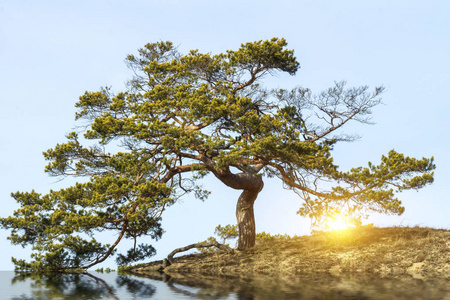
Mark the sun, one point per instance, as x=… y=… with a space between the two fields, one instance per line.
x=337 y=223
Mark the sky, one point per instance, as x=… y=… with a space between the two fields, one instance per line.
x=51 y=52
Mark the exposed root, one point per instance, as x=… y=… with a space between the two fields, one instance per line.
x=199 y=245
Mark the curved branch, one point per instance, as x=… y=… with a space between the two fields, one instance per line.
x=241 y=181
x=293 y=184
x=252 y=79
x=106 y=285
x=198 y=245
x=179 y=169
x=110 y=250
x=334 y=127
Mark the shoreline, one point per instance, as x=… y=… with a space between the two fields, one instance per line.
x=418 y=253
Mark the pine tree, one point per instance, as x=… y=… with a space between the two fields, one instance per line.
x=183 y=117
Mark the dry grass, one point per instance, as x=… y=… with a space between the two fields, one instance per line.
x=392 y=251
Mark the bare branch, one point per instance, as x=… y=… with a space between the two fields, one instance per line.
x=198 y=245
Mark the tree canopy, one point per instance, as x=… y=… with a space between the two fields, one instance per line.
x=183 y=117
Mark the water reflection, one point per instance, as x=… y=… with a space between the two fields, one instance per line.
x=81 y=286
x=160 y=286
x=65 y=286
x=136 y=287
x=193 y=291
x=308 y=287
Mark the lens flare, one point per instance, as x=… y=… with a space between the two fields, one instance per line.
x=338 y=223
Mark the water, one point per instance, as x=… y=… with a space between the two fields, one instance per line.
x=113 y=286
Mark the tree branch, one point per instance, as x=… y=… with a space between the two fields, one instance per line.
x=199 y=245
x=179 y=169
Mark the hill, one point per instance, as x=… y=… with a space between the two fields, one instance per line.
x=385 y=252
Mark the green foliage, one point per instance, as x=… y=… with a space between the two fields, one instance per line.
x=226 y=232
x=267 y=237
x=208 y=249
x=183 y=117
x=139 y=253
x=373 y=188
x=231 y=232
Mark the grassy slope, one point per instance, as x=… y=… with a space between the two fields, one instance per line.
x=392 y=251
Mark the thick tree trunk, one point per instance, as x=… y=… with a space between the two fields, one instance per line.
x=251 y=184
x=246 y=219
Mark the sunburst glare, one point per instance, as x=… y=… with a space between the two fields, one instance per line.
x=337 y=223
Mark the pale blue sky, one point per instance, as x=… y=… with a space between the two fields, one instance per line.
x=53 y=51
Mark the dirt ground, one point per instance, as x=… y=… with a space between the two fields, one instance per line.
x=416 y=252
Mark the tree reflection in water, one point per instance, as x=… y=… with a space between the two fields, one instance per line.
x=317 y=287
x=111 y=286
x=79 y=286
x=136 y=287
x=65 y=286
x=211 y=293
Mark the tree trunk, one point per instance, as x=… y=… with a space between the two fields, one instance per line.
x=251 y=184
x=246 y=219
